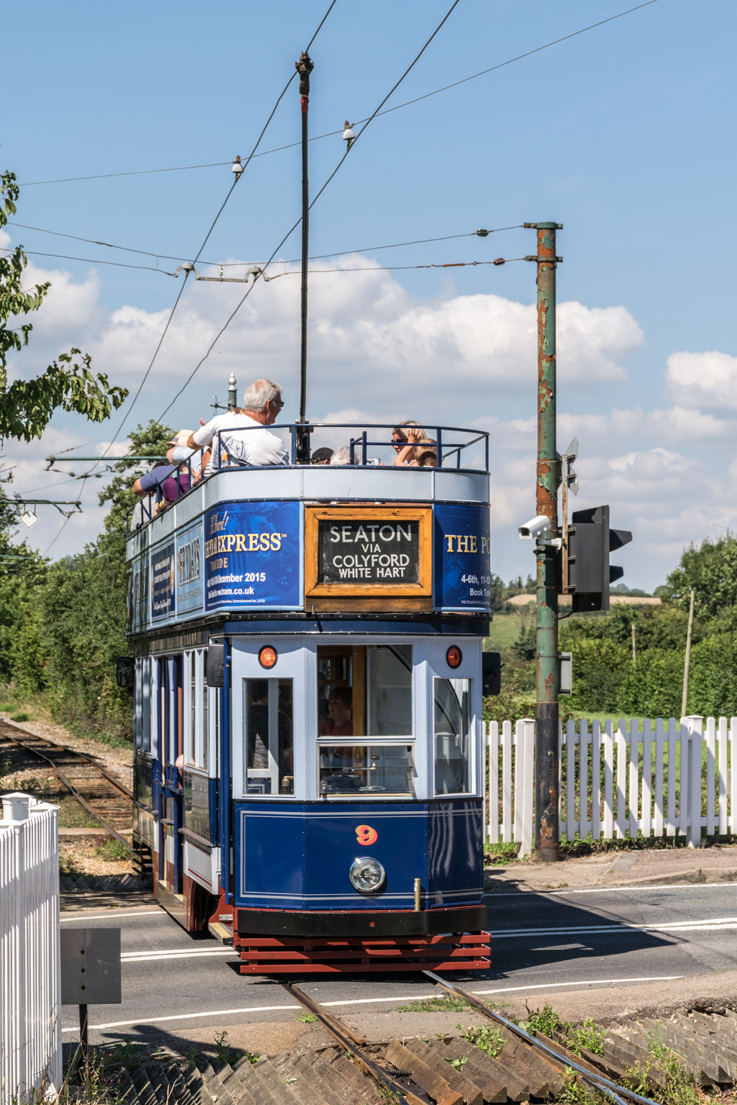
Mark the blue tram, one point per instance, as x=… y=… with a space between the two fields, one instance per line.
x=308 y=696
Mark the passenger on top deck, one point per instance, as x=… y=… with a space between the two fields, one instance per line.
x=413 y=447
x=339 y=722
x=341 y=455
x=321 y=456
x=245 y=446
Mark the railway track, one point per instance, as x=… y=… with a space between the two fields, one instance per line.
x=103 y=796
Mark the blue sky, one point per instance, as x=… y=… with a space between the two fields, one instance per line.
x=623 y=134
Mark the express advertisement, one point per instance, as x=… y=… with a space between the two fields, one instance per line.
x=163 y=601
x=190 y=569
x=137 y=604
x=462 y=558
x=253 y=556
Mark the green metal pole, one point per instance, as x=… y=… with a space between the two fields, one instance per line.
x=547 y=831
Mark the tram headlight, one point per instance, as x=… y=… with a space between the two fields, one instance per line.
x=367 y=874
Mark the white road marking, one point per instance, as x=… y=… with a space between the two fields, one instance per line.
x=369 y=1001
x=162 y=957
x=113 y=914
x=715 y=924
x=610 y=889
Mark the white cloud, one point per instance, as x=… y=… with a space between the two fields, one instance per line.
x=703 y=379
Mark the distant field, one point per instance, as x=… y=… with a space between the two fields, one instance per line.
x=504 y=631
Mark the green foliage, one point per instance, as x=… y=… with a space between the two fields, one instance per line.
x=307 y=1018
x=545 y=1020
x=576 y=1092
x=676 y=1085
x=711 y=570
x=652 y=687
x=486 y=1038
x=112 y=849
x=21 y=717
x=599 y=668
x=26 y=406
x=449 y=1004
x=588 y=1036
x=62 y=626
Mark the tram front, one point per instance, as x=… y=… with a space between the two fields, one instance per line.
x=309 y=744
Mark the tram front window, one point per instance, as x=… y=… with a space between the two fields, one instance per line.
x=366 y=769
x=452 y=735
x=268 y=736
x=364 y=691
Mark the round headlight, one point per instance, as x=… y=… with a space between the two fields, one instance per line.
x=367 y=874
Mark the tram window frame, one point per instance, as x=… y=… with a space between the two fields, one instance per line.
x=441 y=767
x=353 y=773
x=280 y=729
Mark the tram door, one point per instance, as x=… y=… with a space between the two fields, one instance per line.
x=171 y=752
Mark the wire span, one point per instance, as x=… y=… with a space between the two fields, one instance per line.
x=332 y=133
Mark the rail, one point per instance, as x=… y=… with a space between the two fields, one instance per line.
x=438 y=443
x=36 y=745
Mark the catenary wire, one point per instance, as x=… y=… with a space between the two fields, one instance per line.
x=212 y=226
x=332 y=133
x=293 y=228
x=90 y=260
x=227 y=264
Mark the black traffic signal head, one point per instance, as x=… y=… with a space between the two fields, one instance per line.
x=491 y=673
x=590 y=541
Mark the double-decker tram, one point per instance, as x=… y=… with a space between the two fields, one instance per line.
x=309 y=763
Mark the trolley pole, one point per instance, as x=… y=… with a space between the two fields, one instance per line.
x=304 y=67
x=547 y=831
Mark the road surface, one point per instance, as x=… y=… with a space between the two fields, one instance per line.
x=542 y=941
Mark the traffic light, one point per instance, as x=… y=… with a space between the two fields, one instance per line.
x=491 y=673
x=590 y=540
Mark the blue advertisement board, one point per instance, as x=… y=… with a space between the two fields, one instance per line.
x=137 y=605
x=190 y=569
x=462 y=550
x=163 y=602
x=253 y=556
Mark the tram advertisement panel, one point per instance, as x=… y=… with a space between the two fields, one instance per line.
x=163 y=572
x=253 y=556
x=190 y=569
x=462 y=558
x=138 y=594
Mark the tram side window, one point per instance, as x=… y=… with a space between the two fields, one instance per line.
x=268 y=733
x=452 y=710
x=368 y=769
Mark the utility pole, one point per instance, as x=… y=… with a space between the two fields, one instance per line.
x=687 y=663
x=304 y=67
x=634 y=643
x=547 y=831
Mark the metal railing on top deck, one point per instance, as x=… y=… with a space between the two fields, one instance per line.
x=442 y=445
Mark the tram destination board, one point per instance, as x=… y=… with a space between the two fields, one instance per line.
x=362 y=551
x=373 y=551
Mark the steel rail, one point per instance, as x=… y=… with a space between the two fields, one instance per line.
x=72 y=789
x=82 y=755
x=352 y=1042
x=598 y=1081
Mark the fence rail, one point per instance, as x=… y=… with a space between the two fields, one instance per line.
x=30 y=982
x=670 y=778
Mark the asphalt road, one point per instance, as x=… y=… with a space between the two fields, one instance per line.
x=541 y=942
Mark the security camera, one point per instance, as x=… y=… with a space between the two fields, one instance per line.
x=535 y=527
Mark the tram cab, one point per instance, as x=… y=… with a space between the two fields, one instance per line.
x=309 y=763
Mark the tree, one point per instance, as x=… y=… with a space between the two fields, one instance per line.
x=26 y=406
x=711 y=570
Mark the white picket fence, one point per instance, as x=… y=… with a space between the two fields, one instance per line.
x=30 y=978
x=671 y=778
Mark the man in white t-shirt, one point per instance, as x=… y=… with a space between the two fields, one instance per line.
x=245 y=447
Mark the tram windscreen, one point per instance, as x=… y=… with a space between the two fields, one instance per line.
x=268 y=728
x=452 y=736
x=366 y=769
x=364 y=691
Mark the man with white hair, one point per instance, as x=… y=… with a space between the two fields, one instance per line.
x=238 y=443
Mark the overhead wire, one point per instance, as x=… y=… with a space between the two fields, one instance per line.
x=209 y=232
x=313 y=202
x=332 y=133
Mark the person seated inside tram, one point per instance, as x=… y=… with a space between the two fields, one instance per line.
x=339 y=722
x=257 y=726
x=341 y=455
x=321 y=456
x=413 y=447
x=165 y=481
x=242 y=435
